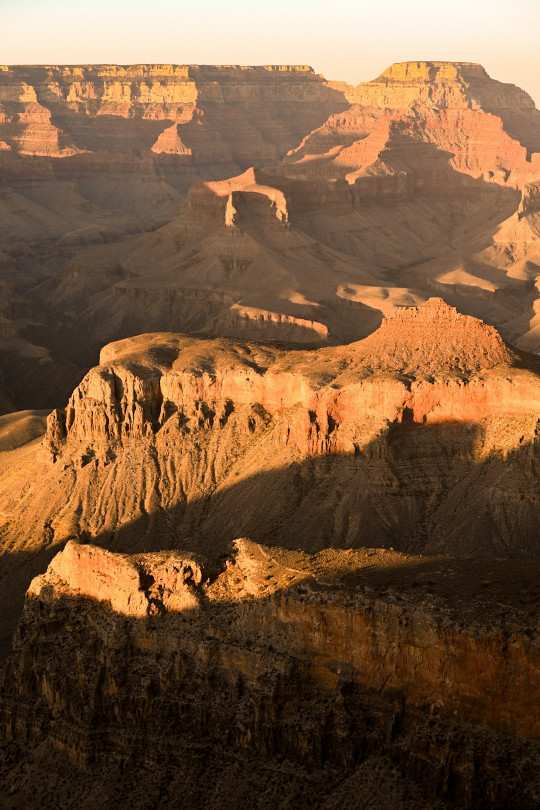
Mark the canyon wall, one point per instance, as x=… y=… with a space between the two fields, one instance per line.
x=90 y=155
x=350 y=224
x=178 y=116
x=288 y=656
x=423 y=437
x=259 y=203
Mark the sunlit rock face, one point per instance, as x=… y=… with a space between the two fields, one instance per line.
x=92 y=155
x=422 y=437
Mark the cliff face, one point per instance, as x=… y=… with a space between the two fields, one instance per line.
x=310 y=671
x=196 y=115
x=98 y=151
x=423 y=437
x=455 y=105
x=280 y=655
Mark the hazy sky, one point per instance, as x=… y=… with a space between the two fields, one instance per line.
x=352 y=40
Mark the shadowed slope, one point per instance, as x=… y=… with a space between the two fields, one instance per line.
x=328 y=666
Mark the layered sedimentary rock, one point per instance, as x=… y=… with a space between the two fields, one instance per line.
x=216 y=429
x=209 y=115
x=329 y=666
x=481 y=123
x=107 y=129
x=310 y=672
x=92 y=154
x=425 y=184
x=422 y=437
x=273 y=204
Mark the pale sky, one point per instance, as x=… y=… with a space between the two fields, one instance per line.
x=350 y=40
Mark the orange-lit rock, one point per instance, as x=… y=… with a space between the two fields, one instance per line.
x=138 y=587
x=423 y=437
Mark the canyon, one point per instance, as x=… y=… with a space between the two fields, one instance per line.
x=328 y=680
x=269 y=438
x=382 y=607
x=261 y=203
x=177 y=441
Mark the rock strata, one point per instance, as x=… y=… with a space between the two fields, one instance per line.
x=257 y=203
x=282 y=655
x=422 y=437
x=361 y=195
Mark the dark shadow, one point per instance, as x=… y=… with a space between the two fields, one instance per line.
x=16 y=572
x=521 y=121
x=416 y=488
x=254 y=680
x=469 y=209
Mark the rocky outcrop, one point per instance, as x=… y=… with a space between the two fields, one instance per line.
x=423 y=437
x=481 y=123
x=121 y=399
x=135 y=588
x=290 y=656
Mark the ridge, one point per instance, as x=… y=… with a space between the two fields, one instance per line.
x=435 y=337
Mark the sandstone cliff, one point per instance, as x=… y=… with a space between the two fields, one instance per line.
x=329 y=666
x=202 y=114
x=423 y=437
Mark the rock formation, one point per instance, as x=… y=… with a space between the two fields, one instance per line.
x=422 y=437
x=295 y=662
x=260 y=203
x=226 y=437
x=92 y=154
x=350 y=280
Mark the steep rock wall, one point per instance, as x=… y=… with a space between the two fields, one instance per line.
x=321 y=674
x=423 y=436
